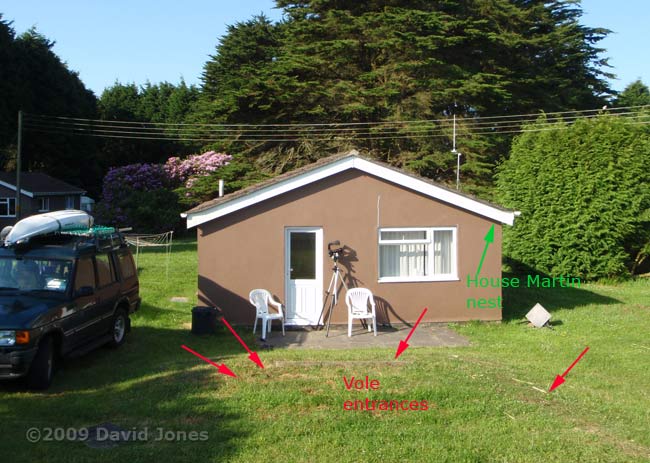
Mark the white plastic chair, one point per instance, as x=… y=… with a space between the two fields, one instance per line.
x=261 y=299
x=358 y=300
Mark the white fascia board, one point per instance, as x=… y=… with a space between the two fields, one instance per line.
x=13 y=187
x=441 y=194
x=434 y=191
x=198 y=218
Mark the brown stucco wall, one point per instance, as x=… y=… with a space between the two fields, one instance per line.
x=246 y=249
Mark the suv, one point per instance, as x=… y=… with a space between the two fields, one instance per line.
x=63 y=295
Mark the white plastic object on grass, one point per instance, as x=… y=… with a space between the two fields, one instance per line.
x=538 y=316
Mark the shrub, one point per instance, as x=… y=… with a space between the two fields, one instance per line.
x=183 y=171
x=584 y=195
x=119 y=185
x=150 y=197
x=153 y=211
x=237 y=174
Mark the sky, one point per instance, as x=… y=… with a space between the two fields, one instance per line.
x=143 y=41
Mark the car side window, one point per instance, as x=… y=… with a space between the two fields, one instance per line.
x=105 y=270
x=85 y=275
x=126 y=264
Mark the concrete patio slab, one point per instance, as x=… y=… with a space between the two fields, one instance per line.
x=424 y=336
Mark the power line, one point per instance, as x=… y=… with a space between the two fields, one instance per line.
x=295 y=139
x=317 y=132
x=532 y=116
x=471 y=123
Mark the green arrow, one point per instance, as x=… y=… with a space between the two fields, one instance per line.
x=489 y=238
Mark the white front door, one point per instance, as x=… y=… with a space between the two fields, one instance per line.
x=304 y=274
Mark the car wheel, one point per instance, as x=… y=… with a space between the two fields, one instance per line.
x=42 y=367
x=118 y=328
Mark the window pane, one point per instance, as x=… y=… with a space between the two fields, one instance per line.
x=85 y=274
x=404 y=235
x=303 y=255
x=402 y=260
x=443 y=252
x=55 y=273
x=105 y=271
x=7 y=207
x=126 y=264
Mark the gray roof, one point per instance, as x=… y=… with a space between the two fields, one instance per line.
x=40 y=183
x=315 y=165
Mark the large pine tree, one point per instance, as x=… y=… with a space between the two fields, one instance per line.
x=400 y=60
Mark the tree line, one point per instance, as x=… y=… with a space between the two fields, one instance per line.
x=370 y=67
x=336 y=62
x=35 y=80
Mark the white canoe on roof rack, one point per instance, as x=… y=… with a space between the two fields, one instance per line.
x=50 y=222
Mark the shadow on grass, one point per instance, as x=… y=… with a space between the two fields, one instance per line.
x=518 y=301
x=149 y=382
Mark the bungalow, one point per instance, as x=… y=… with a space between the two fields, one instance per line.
x=39 y=193
x=412 y=242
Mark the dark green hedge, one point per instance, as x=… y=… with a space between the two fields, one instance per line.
x=583 y=190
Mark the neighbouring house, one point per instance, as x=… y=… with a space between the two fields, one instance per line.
x=39 y=193
x=412 y=242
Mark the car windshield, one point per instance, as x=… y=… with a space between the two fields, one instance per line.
x=34 y=274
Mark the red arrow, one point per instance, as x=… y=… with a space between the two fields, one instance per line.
x=559 y=379
x=251 y=355
x=223 y=369
x=403 y=345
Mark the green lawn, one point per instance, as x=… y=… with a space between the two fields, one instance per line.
x=483 y=405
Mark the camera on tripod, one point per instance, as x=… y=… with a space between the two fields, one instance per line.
x=334 y=253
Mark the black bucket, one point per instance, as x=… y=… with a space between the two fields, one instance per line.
x=204 y=320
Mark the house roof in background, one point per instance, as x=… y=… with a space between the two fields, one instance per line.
x=332 y=165
x=39 y=184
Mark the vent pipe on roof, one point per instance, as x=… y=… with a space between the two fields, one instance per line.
x=220 y=187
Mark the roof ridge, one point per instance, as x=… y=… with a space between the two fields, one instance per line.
x=366 y=164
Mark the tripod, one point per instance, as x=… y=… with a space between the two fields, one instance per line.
x=332 y=290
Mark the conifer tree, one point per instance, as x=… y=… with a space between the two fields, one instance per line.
x=401 y=60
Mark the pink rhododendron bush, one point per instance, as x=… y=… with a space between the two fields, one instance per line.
x=150 y=197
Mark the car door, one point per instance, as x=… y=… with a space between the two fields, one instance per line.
x=84 y=301
x=128 y=275
x=108 y=290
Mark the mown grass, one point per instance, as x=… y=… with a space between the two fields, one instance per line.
x=484 y=402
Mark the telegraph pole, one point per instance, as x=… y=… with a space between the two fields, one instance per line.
x=18 y=162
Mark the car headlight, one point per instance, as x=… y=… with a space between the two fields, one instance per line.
x=7 y=338
x=11 y=337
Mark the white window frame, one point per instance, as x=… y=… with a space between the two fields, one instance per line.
x=6 y=201
x=43 y=201
x=69 y=202
x=429 y=242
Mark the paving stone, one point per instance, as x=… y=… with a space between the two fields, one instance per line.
x=424 y=336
